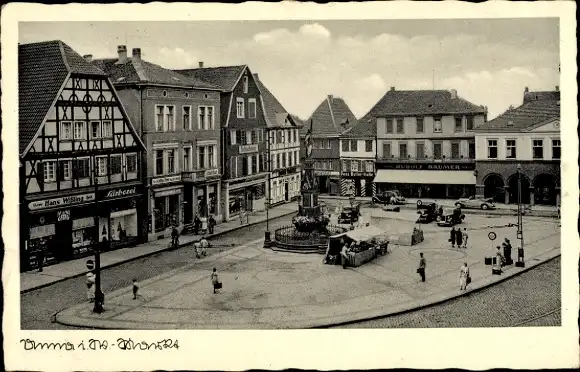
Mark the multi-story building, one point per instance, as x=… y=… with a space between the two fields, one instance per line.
x=283 y=148
x=357 y=159
x=178 y=118
x=426 y=143
x=80 y=177
x=330 y=119
x=529 y=137
x=244 y=149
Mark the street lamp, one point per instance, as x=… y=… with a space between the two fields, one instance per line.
x=99 y=296
x=267 y=240
x=520 y=233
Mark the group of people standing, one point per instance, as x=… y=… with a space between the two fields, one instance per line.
x=458 y=237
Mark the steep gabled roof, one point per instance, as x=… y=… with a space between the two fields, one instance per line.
x=138 y=71
x=523 y=117
x=276 y=114
x=43 y=68
x=331 y=117
x=364 y=129
x=225 y=77
x=421 y=102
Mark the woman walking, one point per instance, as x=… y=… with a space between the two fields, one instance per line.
x=463 y=275
x=452 y=237
x=459 y=237
x=215 y=281
x=465 y=237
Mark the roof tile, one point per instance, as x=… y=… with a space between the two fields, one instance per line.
x=224 y=77
x=524 y=116
x=331 y=117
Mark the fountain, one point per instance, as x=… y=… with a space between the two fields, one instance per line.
x=310 y=228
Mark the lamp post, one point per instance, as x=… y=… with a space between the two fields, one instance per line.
x=520 y=233
x=99 y=296
x=267 y=237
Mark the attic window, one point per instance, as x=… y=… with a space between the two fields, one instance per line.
x=121 y=78
x=186 y=95
x=206 y=96
x=510 y=123
x=164 y=93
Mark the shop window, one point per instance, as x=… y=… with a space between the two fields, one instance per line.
x=212 y=200
x=65 y=130
x=510 y=152
x=80 y=130
x=492 y=149
x=556 y=151
x=123 y=224
x=454 y=150
x=420 y=150
x=420 y=125
x=368 y=145
x=83 y=234
x=538 y=149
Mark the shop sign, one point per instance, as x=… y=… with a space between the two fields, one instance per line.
x=245 y=149
x=211 y=173
x=165 y=179
x=63 y=215
x=60 y=202
x=120 y=193
x=427 y=166
x=189 y=176
x=322 y=173
x=357 y=174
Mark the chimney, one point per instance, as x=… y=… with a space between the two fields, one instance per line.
x=526 y=90
x=122 y=52
x=88 y=57
x=557 y=88
x=256 y=76
x=201 y=64
x=392 y=89
x=137 y=53
x=330 y=97
x=453 y=94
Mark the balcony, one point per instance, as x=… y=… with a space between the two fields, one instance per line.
x=201 y=175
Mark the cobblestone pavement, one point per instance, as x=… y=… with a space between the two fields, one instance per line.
x=531 y=299
x=38 y=306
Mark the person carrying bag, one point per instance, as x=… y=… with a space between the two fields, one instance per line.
x=215 y=280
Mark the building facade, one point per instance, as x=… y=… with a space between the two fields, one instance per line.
x=529 y=137
x=426 y=143
x=80 y=174
x=283 y=161
x=357 y=160
x=179 y=121
x=243 y=140
x=330 y=119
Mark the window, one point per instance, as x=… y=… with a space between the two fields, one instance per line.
x=437 y=151
x=249 y=137
x=280 y=165
x=107 y=129
x=252 y=108
x=49 y=170
x=454 y=150
x=210 y=118
x=368 y=145
x=187 y=117
x=165 y=118
x=469 y=123
x=556 y=152
x=538 y=149
x=65 y=170
x=437 y=125
x=159 y=118
x=233 y=137
x=472 y=149
x=458 y=124
x=246 y=84
x=369 y=167
x=403 y=151
x=201 y=117
x=66 y=130
x=201 y=157
x=205 y=120
x=170 y=115
x=240 y=110
x=420 y=125
x=82 y=168
x=274 y=161
x=171 y=167
x=353 y=145
x=234 y=167
x=492 y=149
x=80 y=130
x=354 y=165
x=211 y=157
x=254 y=163
x=400 y=126
x=345 y=145
x=510 y=151
x=131 y=160
x=344 y=165
x=254 y=134
x=327 y=143
x=389 y=126
x=95 y=129
x=240 y=136
x=386 y=150
x=245 y=167
x=158 y=162
x=186 y=159
x=101 y=166
x=420 y=150
x=116 y=164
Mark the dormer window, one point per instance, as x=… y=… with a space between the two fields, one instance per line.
x=164 y=93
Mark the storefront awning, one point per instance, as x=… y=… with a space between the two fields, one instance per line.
x=428 y=177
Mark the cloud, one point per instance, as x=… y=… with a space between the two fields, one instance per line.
x=314 y=29
x=177 y=58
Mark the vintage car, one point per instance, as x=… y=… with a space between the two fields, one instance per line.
x=389 y=197
x=427 y=212
x=475 y=203
x=349 y=214
x=451 y=218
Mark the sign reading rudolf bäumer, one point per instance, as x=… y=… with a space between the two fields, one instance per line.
x=427 y=166
x=61 y=202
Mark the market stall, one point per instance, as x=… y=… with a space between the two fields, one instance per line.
x=364 y=244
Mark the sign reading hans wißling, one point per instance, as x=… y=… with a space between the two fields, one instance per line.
x=427 y=166
x=60 y=202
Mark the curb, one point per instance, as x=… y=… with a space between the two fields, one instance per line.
x=443 y=300
x=149 y=254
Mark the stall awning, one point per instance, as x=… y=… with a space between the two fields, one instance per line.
x=363 y=233
x=428 y=177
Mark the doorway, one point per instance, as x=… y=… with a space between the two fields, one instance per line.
x=513 y=189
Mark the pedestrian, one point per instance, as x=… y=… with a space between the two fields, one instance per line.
x=90 y=282
x=344 y=255
x=507 y=251
x=174 y=237
x=196 y=225
x=422 y=267
x=465 y=237
x=499 y=259
x=241 y=217
x=204 y=244
x=463 y=275
x=452 y=237
x=135 y=288
x=215 y=281
x=196 y=249
x=40 y=254
x=211 y=223
x=459 y=238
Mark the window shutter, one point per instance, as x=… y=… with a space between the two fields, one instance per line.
x=40 y=174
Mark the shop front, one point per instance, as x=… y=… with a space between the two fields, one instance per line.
x=356 y=183
x=427 y=180
x=328 y=182
x=284 y=185
x=248 y=196
x=166 y=206
x=202 y=190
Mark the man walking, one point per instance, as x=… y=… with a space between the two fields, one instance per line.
x=203 y=244
x=452 y=237
x=40 y=254
x=422 y=267
x=465 y=236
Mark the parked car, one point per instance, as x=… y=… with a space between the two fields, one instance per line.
x=451 y=218
x=475 y=203
x=349 y=214
x=389 y=197
x=428 y=213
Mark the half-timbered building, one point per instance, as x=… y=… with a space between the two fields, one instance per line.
x=80 y=179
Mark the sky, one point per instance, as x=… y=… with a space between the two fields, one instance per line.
x=488 y=61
